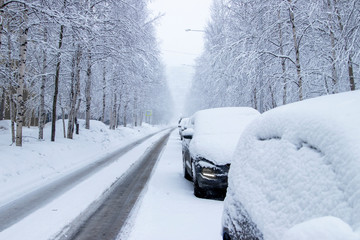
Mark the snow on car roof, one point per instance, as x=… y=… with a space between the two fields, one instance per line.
x=184 y=121
x=217 y=132
x=298 y=162
x=223 y=120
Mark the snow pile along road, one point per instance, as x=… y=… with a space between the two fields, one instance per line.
x=63 y=210
x=38 y=162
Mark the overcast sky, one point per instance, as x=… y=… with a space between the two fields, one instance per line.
x=180 y=48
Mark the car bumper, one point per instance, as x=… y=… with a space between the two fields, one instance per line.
x=219 y=181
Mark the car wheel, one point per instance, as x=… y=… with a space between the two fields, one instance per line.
x=226 y=236
x=186 y=173
x=198 y=191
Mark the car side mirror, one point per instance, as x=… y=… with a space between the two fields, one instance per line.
x=188 y=133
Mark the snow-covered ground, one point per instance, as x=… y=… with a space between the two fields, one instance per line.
x=38 y=162
x=169 y=209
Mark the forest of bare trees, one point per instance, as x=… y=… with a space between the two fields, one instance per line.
x=266 y=53
x=70 y=59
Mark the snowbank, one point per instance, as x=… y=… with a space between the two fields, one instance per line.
x=329 y=228
x=37 y=162
x=217 y=132
x=298 y=162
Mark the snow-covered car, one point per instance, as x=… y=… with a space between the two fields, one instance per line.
x=214 y=134
x=295 y=173
x=182 y=126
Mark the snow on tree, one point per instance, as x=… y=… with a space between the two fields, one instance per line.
x=84 y=59
x=269 y=53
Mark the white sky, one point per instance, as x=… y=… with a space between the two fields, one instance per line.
x=180 y=48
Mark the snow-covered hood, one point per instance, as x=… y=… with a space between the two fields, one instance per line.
x=217 y=148
x=298 y=162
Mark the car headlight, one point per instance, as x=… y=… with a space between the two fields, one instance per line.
x=208 y=172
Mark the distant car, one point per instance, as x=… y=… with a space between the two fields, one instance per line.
x=296 y=173
x=182 y=126
x=214 y=134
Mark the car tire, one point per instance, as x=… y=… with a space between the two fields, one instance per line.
x=198 y=191
x=185 y=171
x=226 y=236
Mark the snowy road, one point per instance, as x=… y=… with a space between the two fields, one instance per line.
x=168 y=208
x=51 y=214
x=20 y=208
x=106 y=221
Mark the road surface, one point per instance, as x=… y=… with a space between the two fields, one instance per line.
x=18 y=209
x=105 y=220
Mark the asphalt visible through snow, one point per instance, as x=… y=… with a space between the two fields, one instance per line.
x=105 y=218
x=18 y=209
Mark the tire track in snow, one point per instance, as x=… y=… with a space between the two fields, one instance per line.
x=18 y=209
x=109 y=216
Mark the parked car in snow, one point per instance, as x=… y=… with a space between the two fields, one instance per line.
x=294 y=165
x=214 y=134
x=182 y=126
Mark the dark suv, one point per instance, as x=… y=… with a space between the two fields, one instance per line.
x=209 y=142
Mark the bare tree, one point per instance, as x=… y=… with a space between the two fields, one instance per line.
x=42 y=113
x=75 y=91
x=20 y=88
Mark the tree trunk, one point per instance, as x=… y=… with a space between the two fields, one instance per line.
x=76 y=113
x=2 y=20
x=351 y=74
x=57 y=76
x=283 y=63
x=20 y=88
x=56 y=85
x=113 y=113
x=11 y=67
x=141 y=118
x=125 y=109
x=273 y=99
x=42 y=113
x=326 y=85
x=104 y=95
x=72 y=97
x=334 y=75
x=296 y=48
x=349 y=62
x=75 y=91
x=255 y=99
x=76 y=127
x=88 y=91
x=63 y=121
x=135 y=117
x=2 y=104
x=62 y=116
x=12 y=117
x=118 y=114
